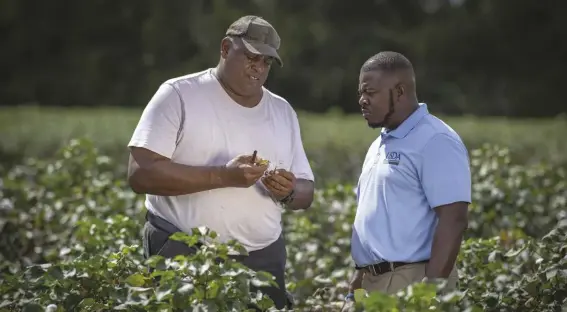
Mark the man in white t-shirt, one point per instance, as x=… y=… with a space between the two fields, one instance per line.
x=192 y=148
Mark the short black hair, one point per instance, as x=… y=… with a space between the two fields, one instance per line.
x=387 y=61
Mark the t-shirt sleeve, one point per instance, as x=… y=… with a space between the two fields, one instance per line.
x=445 y=171
x=159 y=124
x=300 y=166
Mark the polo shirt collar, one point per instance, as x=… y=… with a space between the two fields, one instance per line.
x=407 y=125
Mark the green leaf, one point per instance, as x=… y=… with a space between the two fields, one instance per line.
x=359 y=294
x=87 y=302
x=32 y=307
x=157 y=262
x=514 y=253
x=213 y=289
x=136 y=280
x=551 y=274
x=183 y=237
x=187 y=288
x=265 y=303
x=263 y=279
x=160 y=295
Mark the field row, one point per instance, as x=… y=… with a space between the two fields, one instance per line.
x=331 y=140
x=84 y=221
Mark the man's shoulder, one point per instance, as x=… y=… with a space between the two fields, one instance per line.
x=190 y=80
x=435 y=127
x=278 y=99
x=280 y=103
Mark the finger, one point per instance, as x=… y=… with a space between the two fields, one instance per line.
x=271 y=180
x=269 y=186
x=276 y=193
x=252 y=174
x=286 y=174
x=282 y=181
x=257 y=170
x=277 y=187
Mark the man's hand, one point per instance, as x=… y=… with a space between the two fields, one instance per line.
x=356 y=281
x=280 y=183
x=243 y=172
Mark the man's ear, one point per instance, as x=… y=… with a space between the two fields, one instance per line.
x=226 y=44
x=400 y=90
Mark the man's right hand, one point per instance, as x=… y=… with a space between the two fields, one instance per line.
x=242 y=172
x=356 y=282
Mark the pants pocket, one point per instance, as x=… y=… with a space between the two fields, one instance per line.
x=157 y=242
x=172 y=248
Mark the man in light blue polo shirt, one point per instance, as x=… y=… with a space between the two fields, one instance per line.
x=414 y=189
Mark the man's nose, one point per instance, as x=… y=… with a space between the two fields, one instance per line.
x=260 y=65
x=362 y=101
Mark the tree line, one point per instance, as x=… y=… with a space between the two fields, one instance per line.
x=479 y=57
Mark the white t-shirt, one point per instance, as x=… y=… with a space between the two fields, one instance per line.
x=193 y=121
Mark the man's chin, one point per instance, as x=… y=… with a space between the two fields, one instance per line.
x=374 y=125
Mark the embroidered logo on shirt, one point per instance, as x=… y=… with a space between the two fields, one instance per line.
x=392 y=158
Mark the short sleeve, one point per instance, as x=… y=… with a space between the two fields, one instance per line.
x=300 y=166
x=158 y=127
x=445 y=171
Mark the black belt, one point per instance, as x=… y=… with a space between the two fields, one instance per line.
x=165 y=226
x=385 y=267
x=161 y=224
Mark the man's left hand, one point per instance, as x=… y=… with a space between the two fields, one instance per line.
x=280 y=183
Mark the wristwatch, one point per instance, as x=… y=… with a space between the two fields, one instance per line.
x=289 y=198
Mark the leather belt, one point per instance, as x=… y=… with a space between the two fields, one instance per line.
x=161 y=224
x=385 y=267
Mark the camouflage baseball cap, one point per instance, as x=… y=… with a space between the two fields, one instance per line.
x=258 y=36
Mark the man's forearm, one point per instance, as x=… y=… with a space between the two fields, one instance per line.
x=167 y=178
x=446 y=245
x=303 y=196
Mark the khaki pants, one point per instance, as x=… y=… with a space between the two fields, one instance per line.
x=398 y=279
x=401 y=277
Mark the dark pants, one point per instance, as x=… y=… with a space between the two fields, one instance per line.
x=271 y=259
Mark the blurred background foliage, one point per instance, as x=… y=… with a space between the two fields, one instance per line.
x=480 y=57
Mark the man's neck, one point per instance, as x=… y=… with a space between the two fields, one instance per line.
x=404 y=114
x=246 y=101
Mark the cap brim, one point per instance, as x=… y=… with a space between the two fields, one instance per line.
x=262 y=49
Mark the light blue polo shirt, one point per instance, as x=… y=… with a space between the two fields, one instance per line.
x=407 y=172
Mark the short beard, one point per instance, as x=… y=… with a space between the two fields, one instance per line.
x=375 y=125
x=389 y=114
